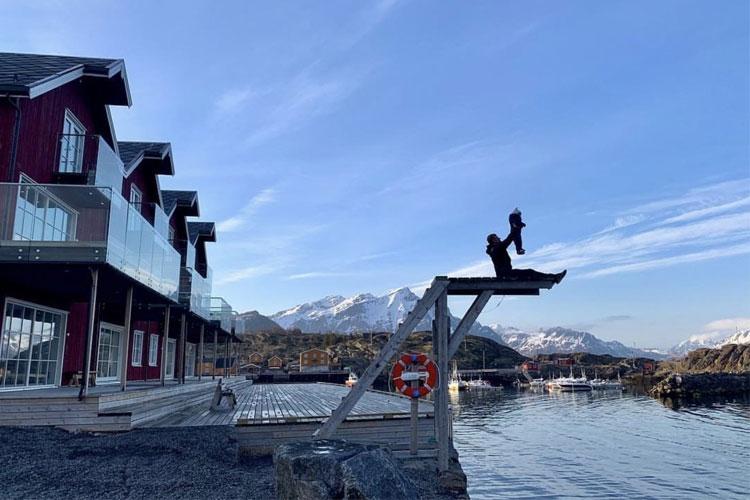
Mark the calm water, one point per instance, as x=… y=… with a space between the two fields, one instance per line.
x=535 y=444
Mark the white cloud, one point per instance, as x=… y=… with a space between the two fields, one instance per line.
x=728 y=324
x=246 y=273
x=237 y=221
x=234 y=99
x=291 y=105
x=314 y=274
x=707 y=223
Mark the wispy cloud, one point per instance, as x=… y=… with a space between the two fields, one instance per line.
x=293 y=104
x=246 y=273
x=234 y=100
x=727 y=325
x=238 y=220
x=706 y=223
x=315 y=274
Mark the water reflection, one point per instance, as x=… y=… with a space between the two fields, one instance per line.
x=600 y=444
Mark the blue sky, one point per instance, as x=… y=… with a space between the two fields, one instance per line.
x=349 y=147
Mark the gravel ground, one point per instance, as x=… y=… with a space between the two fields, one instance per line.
x=195 y=462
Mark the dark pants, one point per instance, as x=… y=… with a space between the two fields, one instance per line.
x=515 y=234
x=523 y=274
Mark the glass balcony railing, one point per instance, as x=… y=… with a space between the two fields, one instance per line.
x=222 y=312
x=195 y=291
x=65 y=223
x=88 y=159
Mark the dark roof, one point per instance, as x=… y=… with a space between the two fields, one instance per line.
x=132 y=153
x=185 y=199
x=204 y=230
x=30 y=75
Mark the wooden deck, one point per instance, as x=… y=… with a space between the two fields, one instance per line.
x=259 y=404
x=106 y=409
x=269 y=415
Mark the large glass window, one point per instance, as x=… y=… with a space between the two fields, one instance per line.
x=30 y=345
x=71 y=144
x=42 y=217
x=108 y=360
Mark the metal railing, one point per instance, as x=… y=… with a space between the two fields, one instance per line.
x=70 y=223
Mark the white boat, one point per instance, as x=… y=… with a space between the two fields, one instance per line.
x=480 y=384
x=455 y=383
x=570 y=384
x=606 y=384
x=537 y=383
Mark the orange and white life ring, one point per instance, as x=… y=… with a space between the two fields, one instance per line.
x=427 y=369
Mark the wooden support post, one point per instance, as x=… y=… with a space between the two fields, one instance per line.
x=378 y=364
x=441 y=332
x=89 y=334
x=468 y=320
x=213 y=365
x=181 y=365
x=164 y=342
x=414 y=443
x=226 y=357
x=125 y=344
x=200 y=353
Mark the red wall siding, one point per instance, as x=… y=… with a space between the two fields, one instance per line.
x=145 y=372
x=41 y=126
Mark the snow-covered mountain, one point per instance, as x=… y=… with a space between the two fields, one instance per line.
x=361 y=313
x=565 y=340
x=709 y=340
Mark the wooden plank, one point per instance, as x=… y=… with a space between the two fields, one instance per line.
x=378 y=364
x=467 y=321
x=508 y=286
x=440 y=336
x=125 y=344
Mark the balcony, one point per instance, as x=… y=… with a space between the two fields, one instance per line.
x=56 y=223
x=88 y=159
x=222 y=313
x=195 y=291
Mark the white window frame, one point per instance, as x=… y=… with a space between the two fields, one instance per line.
x=79 y=131
x=71 y=227
x=61 y=348
x=153 y=350
x=121 y=330
x=136 y=196
x=136 y=354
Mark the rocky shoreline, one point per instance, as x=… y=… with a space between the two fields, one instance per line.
x=698 y=385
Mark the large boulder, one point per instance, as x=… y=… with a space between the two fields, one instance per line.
x=313 y=470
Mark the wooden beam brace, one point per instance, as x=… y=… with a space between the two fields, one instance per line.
x=125 y=344
x=498 y=291
x=467 y=321
x=200 y=352
x=441 y=332
x=89 y=334
x=377 y=365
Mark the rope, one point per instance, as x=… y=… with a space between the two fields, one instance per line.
x=498 y=304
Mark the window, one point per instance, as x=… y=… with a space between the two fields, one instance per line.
x=153 y=349
x=30 y=345
x=136 y=197
x=137 y=354
x=40 y=216
x=71 y=144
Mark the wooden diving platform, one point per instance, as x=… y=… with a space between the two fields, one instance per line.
x=444 y=344
x=498 y=286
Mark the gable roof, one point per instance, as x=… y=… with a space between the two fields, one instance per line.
x=133 y=153
x=188 y=200
x=31 y=75
x=203 y=230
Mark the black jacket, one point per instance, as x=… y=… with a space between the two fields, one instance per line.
x=499 y=255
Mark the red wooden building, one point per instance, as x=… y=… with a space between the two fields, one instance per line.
x=98 y=265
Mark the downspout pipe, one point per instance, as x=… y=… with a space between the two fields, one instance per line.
x=14 y=102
